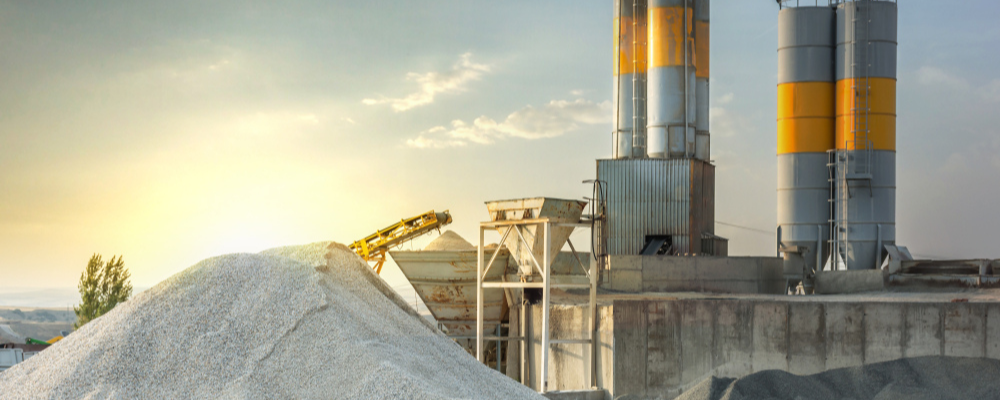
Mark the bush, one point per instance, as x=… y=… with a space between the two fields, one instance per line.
x=102 y=286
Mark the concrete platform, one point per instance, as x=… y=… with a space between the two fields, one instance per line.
x=590 y=394
x=657 y=345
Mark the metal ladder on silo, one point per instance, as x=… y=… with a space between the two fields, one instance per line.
x=853 y=166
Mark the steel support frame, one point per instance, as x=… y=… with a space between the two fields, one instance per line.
x=544 y=269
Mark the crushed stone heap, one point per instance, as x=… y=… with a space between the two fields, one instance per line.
x=449 y=241
x=297 y=322
x=938 y=378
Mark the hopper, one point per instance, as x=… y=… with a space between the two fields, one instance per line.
x=556 y=210
x=446 y=282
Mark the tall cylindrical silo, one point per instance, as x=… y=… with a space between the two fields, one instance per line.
x=629 y=120
x=702 y=150
x=805 y=134
x=865 y=198
x=671 y=83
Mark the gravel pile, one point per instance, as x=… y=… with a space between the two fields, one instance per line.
x=288 y=323
x=449 y=241
x=906 y=379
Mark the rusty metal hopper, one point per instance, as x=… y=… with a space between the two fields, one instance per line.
x=557 y=210
x=446 y=282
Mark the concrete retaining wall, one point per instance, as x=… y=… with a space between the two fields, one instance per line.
x=659 y=348
x=629 y=273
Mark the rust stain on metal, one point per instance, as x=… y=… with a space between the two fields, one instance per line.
x=447 y=294
x=464 y=267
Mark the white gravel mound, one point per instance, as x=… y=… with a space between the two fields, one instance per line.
x=261 y=326
x=449 y=241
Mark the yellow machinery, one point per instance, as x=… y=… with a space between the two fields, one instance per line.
x=374 y=247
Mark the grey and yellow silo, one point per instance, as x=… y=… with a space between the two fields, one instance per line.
x=805 y=134
x=865 y=190
x=660 y=194
x=671 y=80
x=629 y=120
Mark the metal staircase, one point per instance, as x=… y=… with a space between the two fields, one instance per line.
x=851 y=167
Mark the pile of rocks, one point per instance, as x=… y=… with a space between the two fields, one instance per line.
x=305 y=322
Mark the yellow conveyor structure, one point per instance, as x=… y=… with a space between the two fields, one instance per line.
x=374 y=247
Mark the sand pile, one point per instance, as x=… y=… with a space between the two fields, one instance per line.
x=449 y=241
x=261 y=326
x=907 y=379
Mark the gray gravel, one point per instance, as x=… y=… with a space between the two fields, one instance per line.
x=275 y=325
x=907 y=379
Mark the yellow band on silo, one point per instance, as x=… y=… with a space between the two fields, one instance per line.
x=666 y=36
x=805 y=135
x=701 y=49
x=881 y=133
x=805 y=99
x=805 y=117
x=881 y=98
x=630 y=46
x=879 y=127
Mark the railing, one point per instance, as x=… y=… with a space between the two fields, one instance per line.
x=817 y=3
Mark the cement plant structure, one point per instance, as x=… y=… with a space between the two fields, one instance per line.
x=658 y=305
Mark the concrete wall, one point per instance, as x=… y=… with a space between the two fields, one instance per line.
x=658 y=348
x=569 y=363
x=632 y=273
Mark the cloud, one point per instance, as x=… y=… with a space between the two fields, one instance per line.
x=982 y=156
x=275 y=123
x=433 y=83
x=991 y=92
x=726 y=98
x=726 y=123
x=553 y=119
x=932 y=76
x=219 y=65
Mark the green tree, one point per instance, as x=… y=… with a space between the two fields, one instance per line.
x=103 y=285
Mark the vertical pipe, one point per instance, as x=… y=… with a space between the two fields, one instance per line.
x=778 y=243
x=878 y=247
x=687 y=60
x=629 y=115
x=593 y=324
x=702 y=52
x=524 y=341
x=479 y=297
x=513 y=361
x=819 y=248
x=547 y=244
x=499 y=342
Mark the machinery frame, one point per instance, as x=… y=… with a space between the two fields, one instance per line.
x=543 y=270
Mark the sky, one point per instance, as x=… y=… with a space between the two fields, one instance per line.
x=170 y=132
